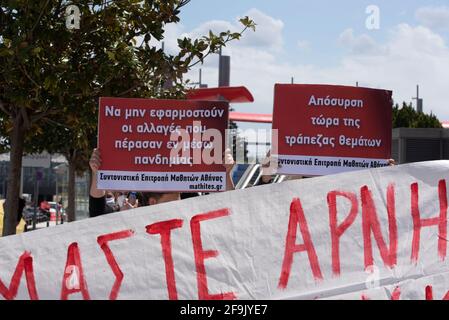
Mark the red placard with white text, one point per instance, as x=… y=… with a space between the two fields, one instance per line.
x=327 y=129
x=162 y=145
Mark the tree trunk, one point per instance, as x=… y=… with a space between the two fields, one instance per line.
x=71 y=190
x=14 y=177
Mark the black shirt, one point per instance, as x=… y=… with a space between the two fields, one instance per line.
x=98 y=207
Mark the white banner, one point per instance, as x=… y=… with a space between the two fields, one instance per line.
x=371 y=234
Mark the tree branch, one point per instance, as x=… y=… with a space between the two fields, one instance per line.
x=22 y=68
x=41 y=115
x=3 y=108
x=129 y=90
x=25 y=117
x=209 y=52
x=182 y=3
x=104 y=85
x=58 y=124
x=95 y=92
x=38 y=20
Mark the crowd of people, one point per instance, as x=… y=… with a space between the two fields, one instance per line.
x=106 y=201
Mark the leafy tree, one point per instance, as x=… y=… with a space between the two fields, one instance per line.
x=75 y=142
x=408 y=117
x=53 y=73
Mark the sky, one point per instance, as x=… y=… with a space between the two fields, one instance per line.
x=327 y=42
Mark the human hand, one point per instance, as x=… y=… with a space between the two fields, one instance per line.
x=228 y=160
x=391 y=162
x=95 y=161
x=128 y=206
x=269 y=166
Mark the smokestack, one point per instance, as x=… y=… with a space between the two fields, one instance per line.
x=224 y=70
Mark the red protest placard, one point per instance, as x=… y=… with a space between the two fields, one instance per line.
x=326 y=129
x=162 y=145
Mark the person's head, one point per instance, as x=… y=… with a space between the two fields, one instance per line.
x=22 y=204
x=109 y=194
x=153 y=198
x=132 y=198
x=110 y=199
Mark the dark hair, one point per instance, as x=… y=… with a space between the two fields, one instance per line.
x=22 y=204
x=186 y=195
x=148 y=195
x=139 y=196
x=20 y=208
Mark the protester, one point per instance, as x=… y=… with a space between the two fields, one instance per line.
x=131 y=201
x=111 y=201
x=45 y=206
x=20 y=224
x=153 y=198
x=100 y=201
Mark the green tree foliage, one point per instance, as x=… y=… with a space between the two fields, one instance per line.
x=52 y=74
x=408 y=117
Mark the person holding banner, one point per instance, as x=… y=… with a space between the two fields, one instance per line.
x=101 y=201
